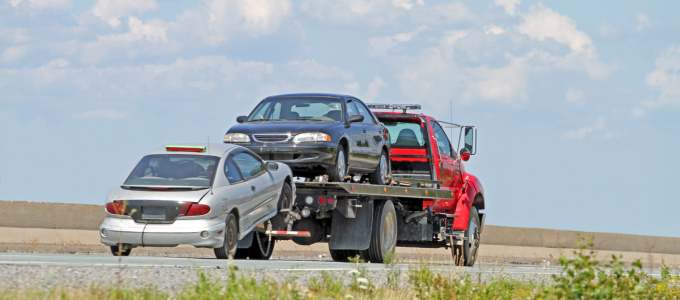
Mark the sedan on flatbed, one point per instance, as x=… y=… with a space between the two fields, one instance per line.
x=317 y=135
x=210 y=196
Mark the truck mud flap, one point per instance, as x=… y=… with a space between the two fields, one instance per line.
x=354 y=233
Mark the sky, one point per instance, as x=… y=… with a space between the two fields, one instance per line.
x=577 y=102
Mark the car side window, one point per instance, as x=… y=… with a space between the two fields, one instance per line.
x=249 y=165
x=368 y=116
x=443 y=142
x=232 y=171
x=351 y=109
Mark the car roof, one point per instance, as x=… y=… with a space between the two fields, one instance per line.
x=310 y=95
x=214 y=149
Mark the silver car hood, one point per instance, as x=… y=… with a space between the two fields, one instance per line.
x=170 y=195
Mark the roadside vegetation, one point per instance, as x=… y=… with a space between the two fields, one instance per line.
x=582 y=278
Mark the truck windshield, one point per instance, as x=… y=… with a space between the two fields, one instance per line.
x=174 y=170
x=405 y=134
x=297 y=109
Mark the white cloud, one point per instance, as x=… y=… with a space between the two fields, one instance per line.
x=510 y=6
x=111 y=11
x=374 y=88
x=542 y=23
x=494 y=29
x=40 y=4
x=380 y=45
x=641 y=22
x=407 y=4
x=258 y=16
x=665 y=78
x=101 y=114
x=13 y=54
x=597 y=129
x=575 y=96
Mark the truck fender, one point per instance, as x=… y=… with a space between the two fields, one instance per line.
x=467 y=197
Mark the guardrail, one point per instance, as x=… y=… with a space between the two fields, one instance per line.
x=86 y=216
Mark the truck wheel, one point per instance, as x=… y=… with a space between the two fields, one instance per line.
x=261 y=248
x=285 y=201
x=383 y=234
x=343 y=255
x=339 y=171
x=466 y=255
x=228 y=248
x=381 y=175
x=121 y=250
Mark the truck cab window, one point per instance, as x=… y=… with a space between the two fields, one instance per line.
x=443 y=143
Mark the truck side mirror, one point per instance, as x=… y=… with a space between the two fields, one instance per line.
x=470 y=134
x=356 y=118
x=241 y=119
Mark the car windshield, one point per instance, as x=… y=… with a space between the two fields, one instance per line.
x=178 y=170
x=298 y=109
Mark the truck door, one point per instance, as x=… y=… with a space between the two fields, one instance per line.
x=446 y=165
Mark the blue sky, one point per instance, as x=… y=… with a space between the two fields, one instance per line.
x=577 y=102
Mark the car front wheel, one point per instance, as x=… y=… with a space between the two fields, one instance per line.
x=338 y=172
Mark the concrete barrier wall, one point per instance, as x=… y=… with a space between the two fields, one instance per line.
x=84 y=216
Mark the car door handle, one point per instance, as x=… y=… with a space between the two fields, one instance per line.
x=252 y=188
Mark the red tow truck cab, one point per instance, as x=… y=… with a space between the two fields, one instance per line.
x=421 y=149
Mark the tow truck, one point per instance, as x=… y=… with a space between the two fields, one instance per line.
x=430 y=201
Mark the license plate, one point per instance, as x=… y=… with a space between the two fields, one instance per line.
x=153 y=213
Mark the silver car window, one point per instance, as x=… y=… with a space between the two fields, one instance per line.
x=232 y=171
x=249 y=165
x=174 y=170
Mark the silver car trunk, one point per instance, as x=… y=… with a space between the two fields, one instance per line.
x=157 y=205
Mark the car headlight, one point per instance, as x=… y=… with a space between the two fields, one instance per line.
x=236 y=138
x=311 y=137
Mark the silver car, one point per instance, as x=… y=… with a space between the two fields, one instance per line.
x=210 y=196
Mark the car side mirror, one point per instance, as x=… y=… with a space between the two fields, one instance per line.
x=272 y=166
x=356 y=118
x=464 y=154
x=470 y=139
x=241 y=119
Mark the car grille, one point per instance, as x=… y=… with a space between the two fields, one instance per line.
x=271 y=138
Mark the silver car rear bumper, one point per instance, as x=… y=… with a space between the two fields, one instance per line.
x=117 y=230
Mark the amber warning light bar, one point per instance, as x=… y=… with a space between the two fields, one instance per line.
x=402 y=107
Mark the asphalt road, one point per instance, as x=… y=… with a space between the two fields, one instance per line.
x=75 y=260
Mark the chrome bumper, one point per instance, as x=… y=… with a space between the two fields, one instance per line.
x=116 y=230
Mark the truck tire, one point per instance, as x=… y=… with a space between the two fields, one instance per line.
x=381 y=175
x=466 y=255
x=383 y=233
x=343 y=255
x=285 y=201
x=261 y=248
x=338 y=172
x=228 y=248
x=121 y=250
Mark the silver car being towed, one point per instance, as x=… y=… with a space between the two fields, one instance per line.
x=207 y=196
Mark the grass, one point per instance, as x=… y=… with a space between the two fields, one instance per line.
x=582 y=278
